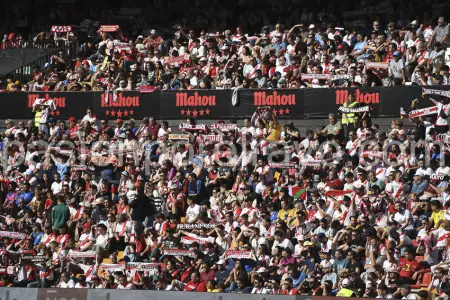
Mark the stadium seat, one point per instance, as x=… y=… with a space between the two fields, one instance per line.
x=106 y=261
x=120 y=255
x=415 y=243
x=420 y=258
x=426 y=279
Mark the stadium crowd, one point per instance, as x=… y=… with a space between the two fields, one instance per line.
x=262 y=208
x=346 y=210
x=319 y=52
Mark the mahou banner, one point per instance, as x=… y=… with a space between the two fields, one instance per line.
x=198 y=104
x=217 y=104
x=283 y=103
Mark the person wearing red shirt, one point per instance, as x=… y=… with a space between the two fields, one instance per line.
x=409 y=268
x=153 y=127
x=287 y=288
x=195 y=285
x=334 y=182
x=73 y=128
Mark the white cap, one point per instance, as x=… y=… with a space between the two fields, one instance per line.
x=86 y=204
x=311 y=26
x=203 y=59
x=153 y=31
x=345 y=282
x=29 y=172
x=220 y=262
x=262 y=270
x=140 y=37
x=414 y=22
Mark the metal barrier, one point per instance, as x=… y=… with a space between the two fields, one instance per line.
x=24 y=73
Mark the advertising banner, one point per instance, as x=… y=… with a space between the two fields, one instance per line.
x=220 y=104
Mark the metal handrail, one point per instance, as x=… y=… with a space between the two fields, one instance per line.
x=24 y=73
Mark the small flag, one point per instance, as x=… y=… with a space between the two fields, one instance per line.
x=297 y=192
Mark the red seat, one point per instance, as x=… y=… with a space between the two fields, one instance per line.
x=420 y=258
x=415 y=243
x=426 y=279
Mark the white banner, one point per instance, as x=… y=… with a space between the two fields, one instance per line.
x=13 y=235
x=316 y=76
x=376 y=154
x=443 y=93
x=311 y=163
x=180 y=252
x=354 y=110
x=186 y=126
x=240 y=254
x=376 y=65
x=196 y=226
x=423 y=112
x=86 y=254
x=112 y=267
x=152 y=268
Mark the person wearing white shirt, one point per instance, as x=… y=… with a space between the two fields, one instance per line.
x=192 y=212
x=66 y=282
x=281 y=241
x=405 y=291
x=124 y=284
x=57 y=185
x=248 y=128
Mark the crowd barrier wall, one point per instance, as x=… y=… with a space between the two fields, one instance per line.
x=101 y=294
x=213 y=104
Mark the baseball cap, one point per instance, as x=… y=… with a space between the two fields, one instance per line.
x=72 y=119
x=118 y=121
x=220 y=262
x=396 y=53
x=311 y=26
x=345 y=282
x=262 y=270
x=414 y=22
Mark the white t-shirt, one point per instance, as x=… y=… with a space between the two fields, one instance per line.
x=192 y=212
x=286 y=243
x=446 y=110
x=56 y=187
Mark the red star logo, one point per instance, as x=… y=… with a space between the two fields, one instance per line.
x=57 y=112
x=182 y=112
x=274 y=112
x=107 y=112
x=125 y=113
x=281 y=112
x=113 y=113
x=131 y=112
x=119 y=113
x=188 y=112
x=194 y=113
x=207 y=111
x=202 y=112
x=287 y=111
x=52 y=113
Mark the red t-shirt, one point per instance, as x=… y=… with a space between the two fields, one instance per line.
x=291 y=292
x=198 y=287
x=408 y=268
